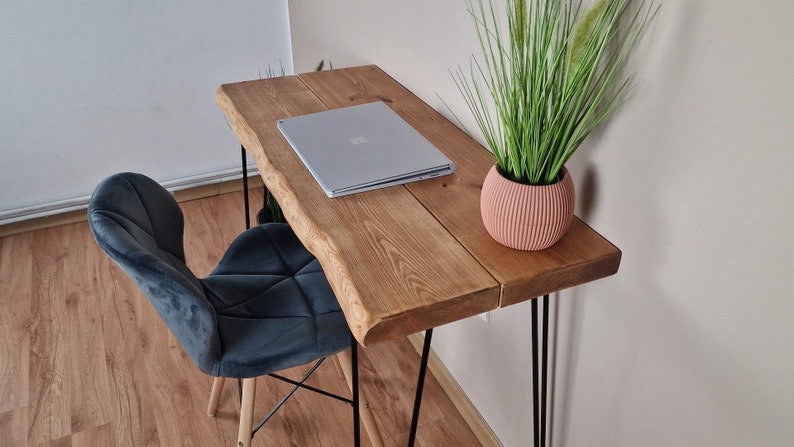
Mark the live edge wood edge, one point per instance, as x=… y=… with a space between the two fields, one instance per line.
x=599 y=259
x=319 y=243
x=367 y=328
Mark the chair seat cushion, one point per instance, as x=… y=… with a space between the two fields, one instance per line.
x=274 y=306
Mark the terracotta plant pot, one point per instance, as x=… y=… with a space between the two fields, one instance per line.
x=526 y=217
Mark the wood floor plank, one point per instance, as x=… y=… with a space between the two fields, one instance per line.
x=102 y=435
x=130 y=387
x=14 y=427
x=14 y=363
x=16 y=273
x=50 y=405
x=441 y=433
x=86 y=361
x=89 y=390
x=181 y=394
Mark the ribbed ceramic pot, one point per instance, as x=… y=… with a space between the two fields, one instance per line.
x=526 y=217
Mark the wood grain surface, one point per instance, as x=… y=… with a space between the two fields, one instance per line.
x=86 y=361
x=582 y=256
x=396 y=269
x=410 y=257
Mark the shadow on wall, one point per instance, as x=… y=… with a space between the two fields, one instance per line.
x=639 y=306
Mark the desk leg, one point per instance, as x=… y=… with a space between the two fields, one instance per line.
x=244 y=167
x=420 y=386
x=539 y=391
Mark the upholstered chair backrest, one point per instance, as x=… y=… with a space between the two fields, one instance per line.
x=140 y=226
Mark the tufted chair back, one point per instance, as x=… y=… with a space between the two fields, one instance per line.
x=140 y=226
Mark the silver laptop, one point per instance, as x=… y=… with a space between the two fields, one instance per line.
x=361 y=148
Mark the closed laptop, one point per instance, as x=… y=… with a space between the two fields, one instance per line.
x=362 y=147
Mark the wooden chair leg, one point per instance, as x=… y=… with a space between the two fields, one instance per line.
x=215 y=395
x=247 y=413
x=367 y=417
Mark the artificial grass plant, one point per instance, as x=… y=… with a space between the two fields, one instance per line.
x=548 y=77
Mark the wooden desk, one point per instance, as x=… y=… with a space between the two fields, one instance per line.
x=405 y=258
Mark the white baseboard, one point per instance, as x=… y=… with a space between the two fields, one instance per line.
x=80 y=203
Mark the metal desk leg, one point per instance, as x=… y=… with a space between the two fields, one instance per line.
x=420 y=386
x=539 y=391
x=356 y=400
x=244 y=167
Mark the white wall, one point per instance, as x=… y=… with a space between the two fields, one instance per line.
x=690 y=344
x=93 y=87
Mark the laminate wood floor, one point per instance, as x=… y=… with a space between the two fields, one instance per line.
x=86 y=361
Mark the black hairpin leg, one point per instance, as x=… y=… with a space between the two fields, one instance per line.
x=539 y=390
x=244 y=166
x=420 y=387
x=356 y=414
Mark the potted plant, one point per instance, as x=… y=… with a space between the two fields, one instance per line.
x=551 y=72
x=271 y=211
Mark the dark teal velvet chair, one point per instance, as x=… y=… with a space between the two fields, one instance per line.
x=266 y=307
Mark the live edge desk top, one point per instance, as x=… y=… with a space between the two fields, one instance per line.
x=404 y=258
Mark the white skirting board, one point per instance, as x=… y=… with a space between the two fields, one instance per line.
x=78 y=203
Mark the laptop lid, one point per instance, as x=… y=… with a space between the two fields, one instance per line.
x=362 y=147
